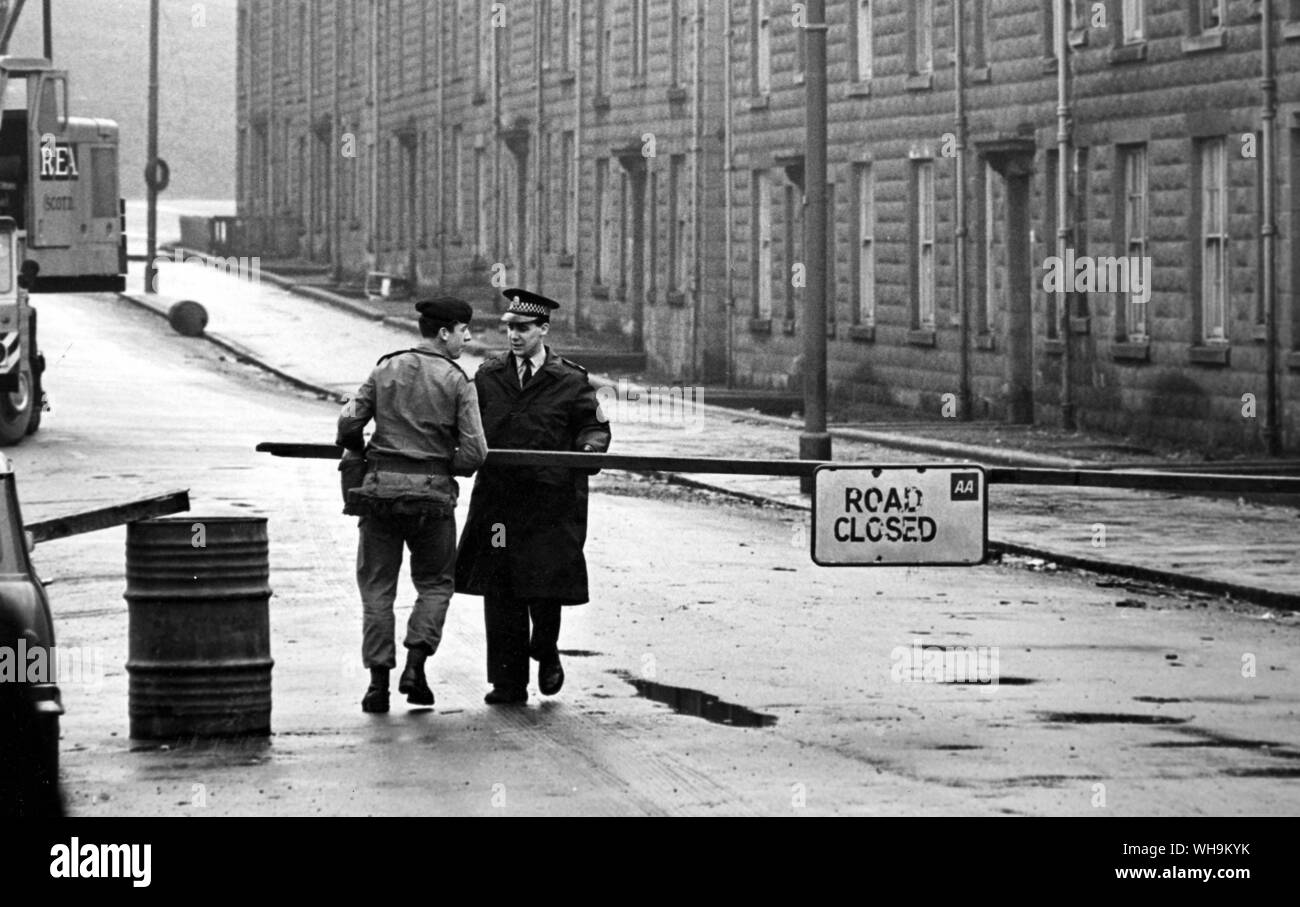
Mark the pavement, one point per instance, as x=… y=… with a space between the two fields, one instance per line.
x=1221 y=546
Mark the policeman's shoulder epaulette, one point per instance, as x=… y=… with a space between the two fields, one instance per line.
x=571 y=364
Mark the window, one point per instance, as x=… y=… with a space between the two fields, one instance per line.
x=864 y=261
x=760 y=48
x=1208 y=15
x=1133 y=21
x=761 y=251
x=484 y=35
x=677 y=223
x=568 y=177
x=790 y=225
x=1134 y=158
x=923 y=244
x=1053 y=301
x=602 y=216
x=457 y=183
x=482 y=202
x=604 y=39
x=623 y=216
x=995 y=216
x=677 y=34
x=640 y=40
x=920 y=36
x=1214 y=240
x=571 y=35
x=977 y=48
x=542 y=31
x=800 y=52
x=862 y=41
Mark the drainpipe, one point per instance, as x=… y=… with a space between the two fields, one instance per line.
x=697 y=221
x=372 y=241
x=537 y=155
x=336 y=163
x=440 y=154
x=502 y=239
x=727 y=171
x=960 y=234
x=1063 y=201
x=576 y=188
x=1268 y=228
x=814 y=440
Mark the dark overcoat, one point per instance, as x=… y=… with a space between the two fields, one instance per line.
x=527 y=524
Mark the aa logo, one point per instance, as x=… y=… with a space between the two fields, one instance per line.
x=965 y=486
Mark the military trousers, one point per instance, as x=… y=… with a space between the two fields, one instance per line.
x=509 y=642
x=431 y=539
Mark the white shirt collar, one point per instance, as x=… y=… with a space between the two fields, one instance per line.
x=538 y=359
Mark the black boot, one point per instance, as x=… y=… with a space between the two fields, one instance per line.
x=376 y=698
x=413 y=683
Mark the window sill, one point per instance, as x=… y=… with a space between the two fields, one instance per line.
x=760 y=326
x=979 y=74
x=1053 y=346
x=1216 y=354
x=1049 y=64
x=1131 y=350
x=478 y=262
x=760 y=102
x=921 y=337
x=985 y=342
x=675 y=298
x=1078 y=37
x=480 y=96
x=565 y=76
x=1129 y=53
x=1080 y=325
x=789 y=327
x=1291 y=31
x=1293 y=360
x=1260 y=333
x=1210 y=40
x=862 y=333
x=564 y=260
x=859 y=89
x=676 y=94
x=599 y=291
x=600 y=101
x=919 y=81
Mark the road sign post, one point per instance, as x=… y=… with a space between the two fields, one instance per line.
x=882 y=516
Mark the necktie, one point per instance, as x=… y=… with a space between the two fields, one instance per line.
x=526 y=375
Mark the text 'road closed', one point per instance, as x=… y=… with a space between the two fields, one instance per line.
x=889 y=515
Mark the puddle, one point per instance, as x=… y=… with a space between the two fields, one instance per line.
x=580 y=653
x=1263 y=772
x=1107 y=718
x=686 y=701
x=1158 y=700
x=1209 y=739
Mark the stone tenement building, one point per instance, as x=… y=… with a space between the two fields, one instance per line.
x=642 y=161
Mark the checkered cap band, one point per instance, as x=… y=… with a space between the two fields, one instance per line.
x=519 y=307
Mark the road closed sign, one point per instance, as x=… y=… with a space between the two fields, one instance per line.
x=882 y=516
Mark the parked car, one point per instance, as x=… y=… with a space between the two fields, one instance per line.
x=30 y=703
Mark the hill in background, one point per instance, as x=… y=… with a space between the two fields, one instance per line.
x=104 y=45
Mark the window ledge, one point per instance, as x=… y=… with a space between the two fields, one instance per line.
x=859 y=89
x=1053 y=346
x=564 y=260
x=565 y=76
x=979 y=74
x=1078 y=37
x=675 y=298
x=1080 y=325
x=760 y=102
x=921 y=336
x=1049 y=64
x=919 y=81
x=1291 y=31
x=1129 y=53
x=480 y=96
x=1293 y=360
x=1210 y=40
x=830 y=330
x=1216 y=354
x=985 y=342
x=1131 y=350
x=676 y=94
x=760 y=325
x=1260 y=333
x=600 y=101
x=599 y=291
x=789 y=326
x=862 y=333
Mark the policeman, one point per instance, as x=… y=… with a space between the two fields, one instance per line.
x=427 y=430
x=522 y=545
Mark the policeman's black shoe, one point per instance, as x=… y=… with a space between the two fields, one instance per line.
x=506 y=696
x=550 y=677
x=375 y=700
x=415 y=686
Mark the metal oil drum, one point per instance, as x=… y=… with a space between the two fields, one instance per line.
x=199 y=657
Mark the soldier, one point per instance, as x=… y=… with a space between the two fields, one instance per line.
x=522 y=544
x=427 y=430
